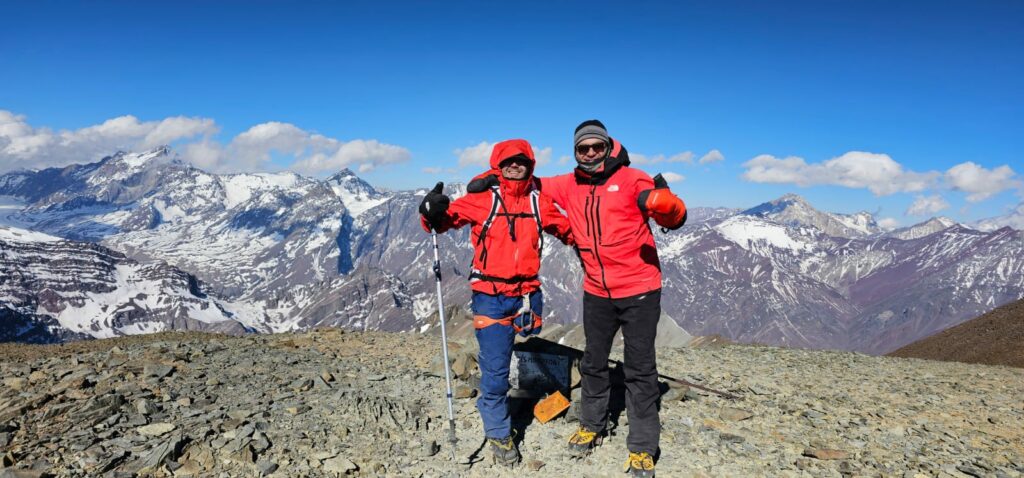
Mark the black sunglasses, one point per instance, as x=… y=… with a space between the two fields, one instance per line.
x=520 y=160
x=598 y=148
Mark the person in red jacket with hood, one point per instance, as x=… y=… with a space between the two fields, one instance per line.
x=507 y=214
x=608 y=204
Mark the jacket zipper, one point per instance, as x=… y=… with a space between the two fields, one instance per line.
x=586 y=209
x=594 y=203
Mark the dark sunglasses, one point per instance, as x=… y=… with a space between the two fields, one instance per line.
x=514 y=160
x=598 y=148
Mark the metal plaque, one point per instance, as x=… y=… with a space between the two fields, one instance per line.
x=538 y=373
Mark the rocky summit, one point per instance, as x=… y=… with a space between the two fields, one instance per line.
x=328 y=403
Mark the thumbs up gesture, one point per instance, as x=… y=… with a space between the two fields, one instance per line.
x=435 y=205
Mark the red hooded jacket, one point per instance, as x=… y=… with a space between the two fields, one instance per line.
x=507 y=260
x=609 y=220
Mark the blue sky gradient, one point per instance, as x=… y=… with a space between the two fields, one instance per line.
x=930 y=84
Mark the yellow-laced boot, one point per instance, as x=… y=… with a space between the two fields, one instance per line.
x=583 y=442
x=640 y=465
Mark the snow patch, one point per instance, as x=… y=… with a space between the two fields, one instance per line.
x=239 y=188
x=356 y=202
x=746 y=231
x=14 y=234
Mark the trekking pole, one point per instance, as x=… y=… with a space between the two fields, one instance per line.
x=727 y=395
x=444 y=347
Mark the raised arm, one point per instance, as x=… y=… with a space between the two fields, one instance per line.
x=439 y=212
x=554 y=188
x=656 y=201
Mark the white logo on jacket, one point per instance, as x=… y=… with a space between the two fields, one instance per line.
x=613 y=188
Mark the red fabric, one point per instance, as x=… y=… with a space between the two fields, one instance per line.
x=506 y=258
x=667 y=209
x=615 y=242
x=507 y=149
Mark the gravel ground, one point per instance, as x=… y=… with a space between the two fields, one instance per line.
x=333 y=403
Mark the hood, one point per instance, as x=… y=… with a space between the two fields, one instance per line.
x=504 y=150
x=508 y=148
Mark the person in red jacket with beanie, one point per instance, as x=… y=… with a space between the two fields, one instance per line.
x=507 y=214
x=608 y=205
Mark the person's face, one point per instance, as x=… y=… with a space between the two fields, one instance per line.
x=590 y=150
x=514 y=168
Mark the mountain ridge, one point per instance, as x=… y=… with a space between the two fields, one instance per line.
x=288 y=252
x=994 y=338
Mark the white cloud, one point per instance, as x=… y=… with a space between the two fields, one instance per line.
x=172 y=129
x=543 y=156
x=926 y=205
x=888 y=223
x=364 y=154
x=981 y=183
x=856 y=169
x=713 y=156
x=642 y=159
x=431 y=170
x=22 y=145
x=204 y=155
x=673 y=177
x=565 y=160
x=251 y=150
x=479 y=155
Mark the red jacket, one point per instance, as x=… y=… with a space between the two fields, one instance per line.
x=503 y=263
x=609 y=223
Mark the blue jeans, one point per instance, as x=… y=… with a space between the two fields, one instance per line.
x=495 y=354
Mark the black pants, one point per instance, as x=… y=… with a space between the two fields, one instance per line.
x=638 y=317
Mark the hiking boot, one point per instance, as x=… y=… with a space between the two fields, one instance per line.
x=503 y=451
x=583 y=442
x=640 y=465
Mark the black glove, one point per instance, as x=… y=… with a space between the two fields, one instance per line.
x=480 y=185
x=434 y=205
x=660 y=182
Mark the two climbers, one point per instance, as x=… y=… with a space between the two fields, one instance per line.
x=608 y=205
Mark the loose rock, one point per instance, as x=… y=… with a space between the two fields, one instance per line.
x=826 y=454
x=156 y=429
x=734 y=414
x=340 y=465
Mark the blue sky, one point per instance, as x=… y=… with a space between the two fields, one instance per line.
x=412 y=93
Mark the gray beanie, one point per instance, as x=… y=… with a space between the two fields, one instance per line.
x=591 y=129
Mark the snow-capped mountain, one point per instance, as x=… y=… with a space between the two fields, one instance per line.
x=802 y=287
x=795 y=211
x=53 y=290
x=282 y=252
x=1014 y=219
x=923 y=229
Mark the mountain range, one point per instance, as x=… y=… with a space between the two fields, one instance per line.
x=142 y=242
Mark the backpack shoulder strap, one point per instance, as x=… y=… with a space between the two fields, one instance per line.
x=535 y=206
x=490 y=216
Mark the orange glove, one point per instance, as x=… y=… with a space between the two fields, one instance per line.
x=664 y=207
